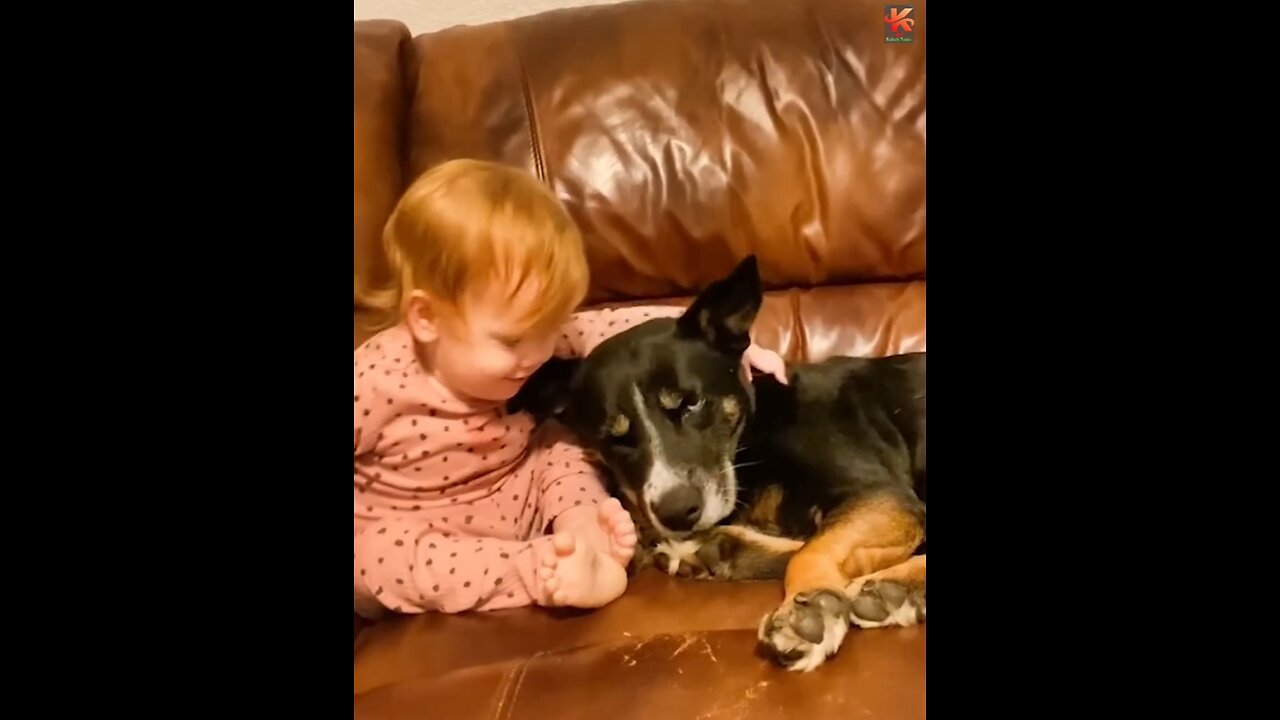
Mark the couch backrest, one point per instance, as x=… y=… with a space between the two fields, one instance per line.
x=683 y=135
x=384 y=53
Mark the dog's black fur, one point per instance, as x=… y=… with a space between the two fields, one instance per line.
x=839 y=429
x=697 y=452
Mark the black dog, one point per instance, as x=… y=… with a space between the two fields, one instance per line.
x=820 y=481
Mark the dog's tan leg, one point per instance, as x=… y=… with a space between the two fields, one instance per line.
x=866 y=535
x=856 y=540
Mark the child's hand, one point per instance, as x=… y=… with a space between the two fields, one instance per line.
x=767 y=362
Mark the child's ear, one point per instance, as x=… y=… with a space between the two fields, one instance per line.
x=421 y=317
x=722 y=314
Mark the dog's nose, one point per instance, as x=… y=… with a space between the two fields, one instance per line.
x=679 y=508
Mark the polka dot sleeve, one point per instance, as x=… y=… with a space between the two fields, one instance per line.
x=589 y=328
x=566 y=479
x=406 y=567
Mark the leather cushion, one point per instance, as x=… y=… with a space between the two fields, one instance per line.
x=380 y=106
x=684 y=135
x=668 y=648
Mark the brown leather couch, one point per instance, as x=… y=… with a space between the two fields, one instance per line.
x=682 y=135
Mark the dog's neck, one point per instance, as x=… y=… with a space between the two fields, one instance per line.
x=772 y=403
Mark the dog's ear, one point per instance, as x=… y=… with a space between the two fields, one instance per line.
x=546 y=393
x=723 y=313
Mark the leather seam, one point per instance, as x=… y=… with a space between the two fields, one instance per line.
x=502 y=694
x=524 y=669
x=409 y=80
x=531 y=118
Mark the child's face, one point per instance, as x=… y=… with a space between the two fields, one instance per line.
x=484 y=355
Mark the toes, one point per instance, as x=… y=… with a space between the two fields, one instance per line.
x=869 y=606
x=545 y=573
x=802 y=659
x=813 y=611
x=623 y=528
x=828 y=602
x=614 y=510
x=616 y=520
x=663 y=562
x=622 y=519
x=803 y=632
x=893 y=593
x=807 y=622
x=791 y=658
x=788 y=649
x=624 y=548
x=627 y=539
x=564 y=544
x=887 y=602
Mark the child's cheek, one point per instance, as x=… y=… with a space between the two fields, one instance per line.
x=495 y=363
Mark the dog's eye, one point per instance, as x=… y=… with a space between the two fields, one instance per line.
x=620 y=433
x=692 y=404
x=619 y=426
x=670 y=399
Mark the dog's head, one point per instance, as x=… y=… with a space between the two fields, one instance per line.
x=663 y=404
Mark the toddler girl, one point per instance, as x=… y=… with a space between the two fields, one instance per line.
x=453 y=496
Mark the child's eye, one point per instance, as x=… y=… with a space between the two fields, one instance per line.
x=508 y=342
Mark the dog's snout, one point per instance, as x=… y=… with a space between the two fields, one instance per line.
x=679 y=508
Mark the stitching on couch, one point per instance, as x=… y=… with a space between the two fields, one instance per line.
x=531 y=118
x=508 y=700
x=524 y=668
x=502 y=693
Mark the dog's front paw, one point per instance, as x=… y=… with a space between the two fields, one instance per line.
x=881 y=603
x=681 y=558
x=806 y=629
x=712 y=554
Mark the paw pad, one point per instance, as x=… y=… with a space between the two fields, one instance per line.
x=883 y=601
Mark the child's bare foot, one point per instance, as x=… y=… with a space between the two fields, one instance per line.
x=574 y=574
x=608 y=528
